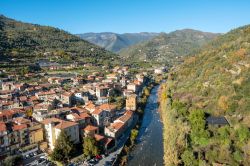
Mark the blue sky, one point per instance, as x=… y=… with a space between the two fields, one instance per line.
x=80 y=16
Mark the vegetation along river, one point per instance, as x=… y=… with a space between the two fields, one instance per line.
x=149 y=148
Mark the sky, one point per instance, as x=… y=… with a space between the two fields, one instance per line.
x=128 y=16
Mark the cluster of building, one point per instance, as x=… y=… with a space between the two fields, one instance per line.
x=34 y=115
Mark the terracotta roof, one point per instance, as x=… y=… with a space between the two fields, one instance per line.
x=79 y=109
x=65 y=124
x=124 y=118
x=108 y=107
x=84 y=115
x=62 y=124
x=21 y=120
x=108 y=140
x=112 y=75
x=6 y=91
x=77 y=117
x=2 y=127
x=33 y=98
x=19 y=127
x=90 y=106
x=90 y=128
x=97 y=111
x=41 y=106
x=68 y=94
x=46 y=93
x=7 y=113
x=23 y=98
x=117 y=125
x=98 y=137
x=50 y=120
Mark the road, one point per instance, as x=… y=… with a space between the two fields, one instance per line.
x=31 y=160
x=112 y=156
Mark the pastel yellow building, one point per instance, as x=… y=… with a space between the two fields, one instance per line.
x=131 y=102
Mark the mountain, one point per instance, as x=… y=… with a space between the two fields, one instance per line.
x=28 y=42
x=115 y=42
x=168 y=47
x=206 y=101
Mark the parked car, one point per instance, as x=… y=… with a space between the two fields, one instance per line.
x=99 y=157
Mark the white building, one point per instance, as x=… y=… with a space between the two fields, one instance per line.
x=53 y=128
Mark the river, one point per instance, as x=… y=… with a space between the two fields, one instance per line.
x=149 y=149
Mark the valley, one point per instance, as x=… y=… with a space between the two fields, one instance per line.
x=124 y=83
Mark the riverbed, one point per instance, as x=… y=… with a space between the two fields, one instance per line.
x=149 y=148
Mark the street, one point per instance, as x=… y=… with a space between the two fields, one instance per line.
x=112 y=156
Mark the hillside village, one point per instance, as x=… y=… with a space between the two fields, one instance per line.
x=99 y=106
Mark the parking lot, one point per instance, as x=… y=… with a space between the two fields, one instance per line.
x=37 y=160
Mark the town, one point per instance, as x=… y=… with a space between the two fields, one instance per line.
x=100 y=107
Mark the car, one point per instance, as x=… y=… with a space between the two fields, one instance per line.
x=92 y=161
x=43 y=157
x=41 y=160
x=99 y=157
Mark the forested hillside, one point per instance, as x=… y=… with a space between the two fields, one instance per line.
x=212 y=85
x=25 y=42
x=168 y=48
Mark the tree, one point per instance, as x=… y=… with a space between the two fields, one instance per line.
x=63 y=148
x=146 y=91
x=12 y=160
x=243 y=134
x=223 y=103
x=133 y=135
x=199 y=135
x=90 y=147
x=29 y=112
x=188 y=158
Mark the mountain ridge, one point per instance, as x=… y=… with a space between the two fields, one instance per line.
x=28 y=42
x=114 y=41
x=168 y=47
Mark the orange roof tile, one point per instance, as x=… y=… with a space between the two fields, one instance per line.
x=68 y=94
x=65 y=124
x=98 y=137
x=90 y=128
x=84 y=115
x=90 y=106
x=79 y=109
x=108 y=107
x=21 y=120
x=33 y=98
x=62 y=124
x=23 y=98
x=19 y=127
x=117 y=125
x=50 y=120
x=2 y=127
x=97 y=111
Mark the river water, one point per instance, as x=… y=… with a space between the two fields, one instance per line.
x=149 y=149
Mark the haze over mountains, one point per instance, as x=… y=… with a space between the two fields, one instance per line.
x=28 y=42
x=115 y=42
x=168 y=47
